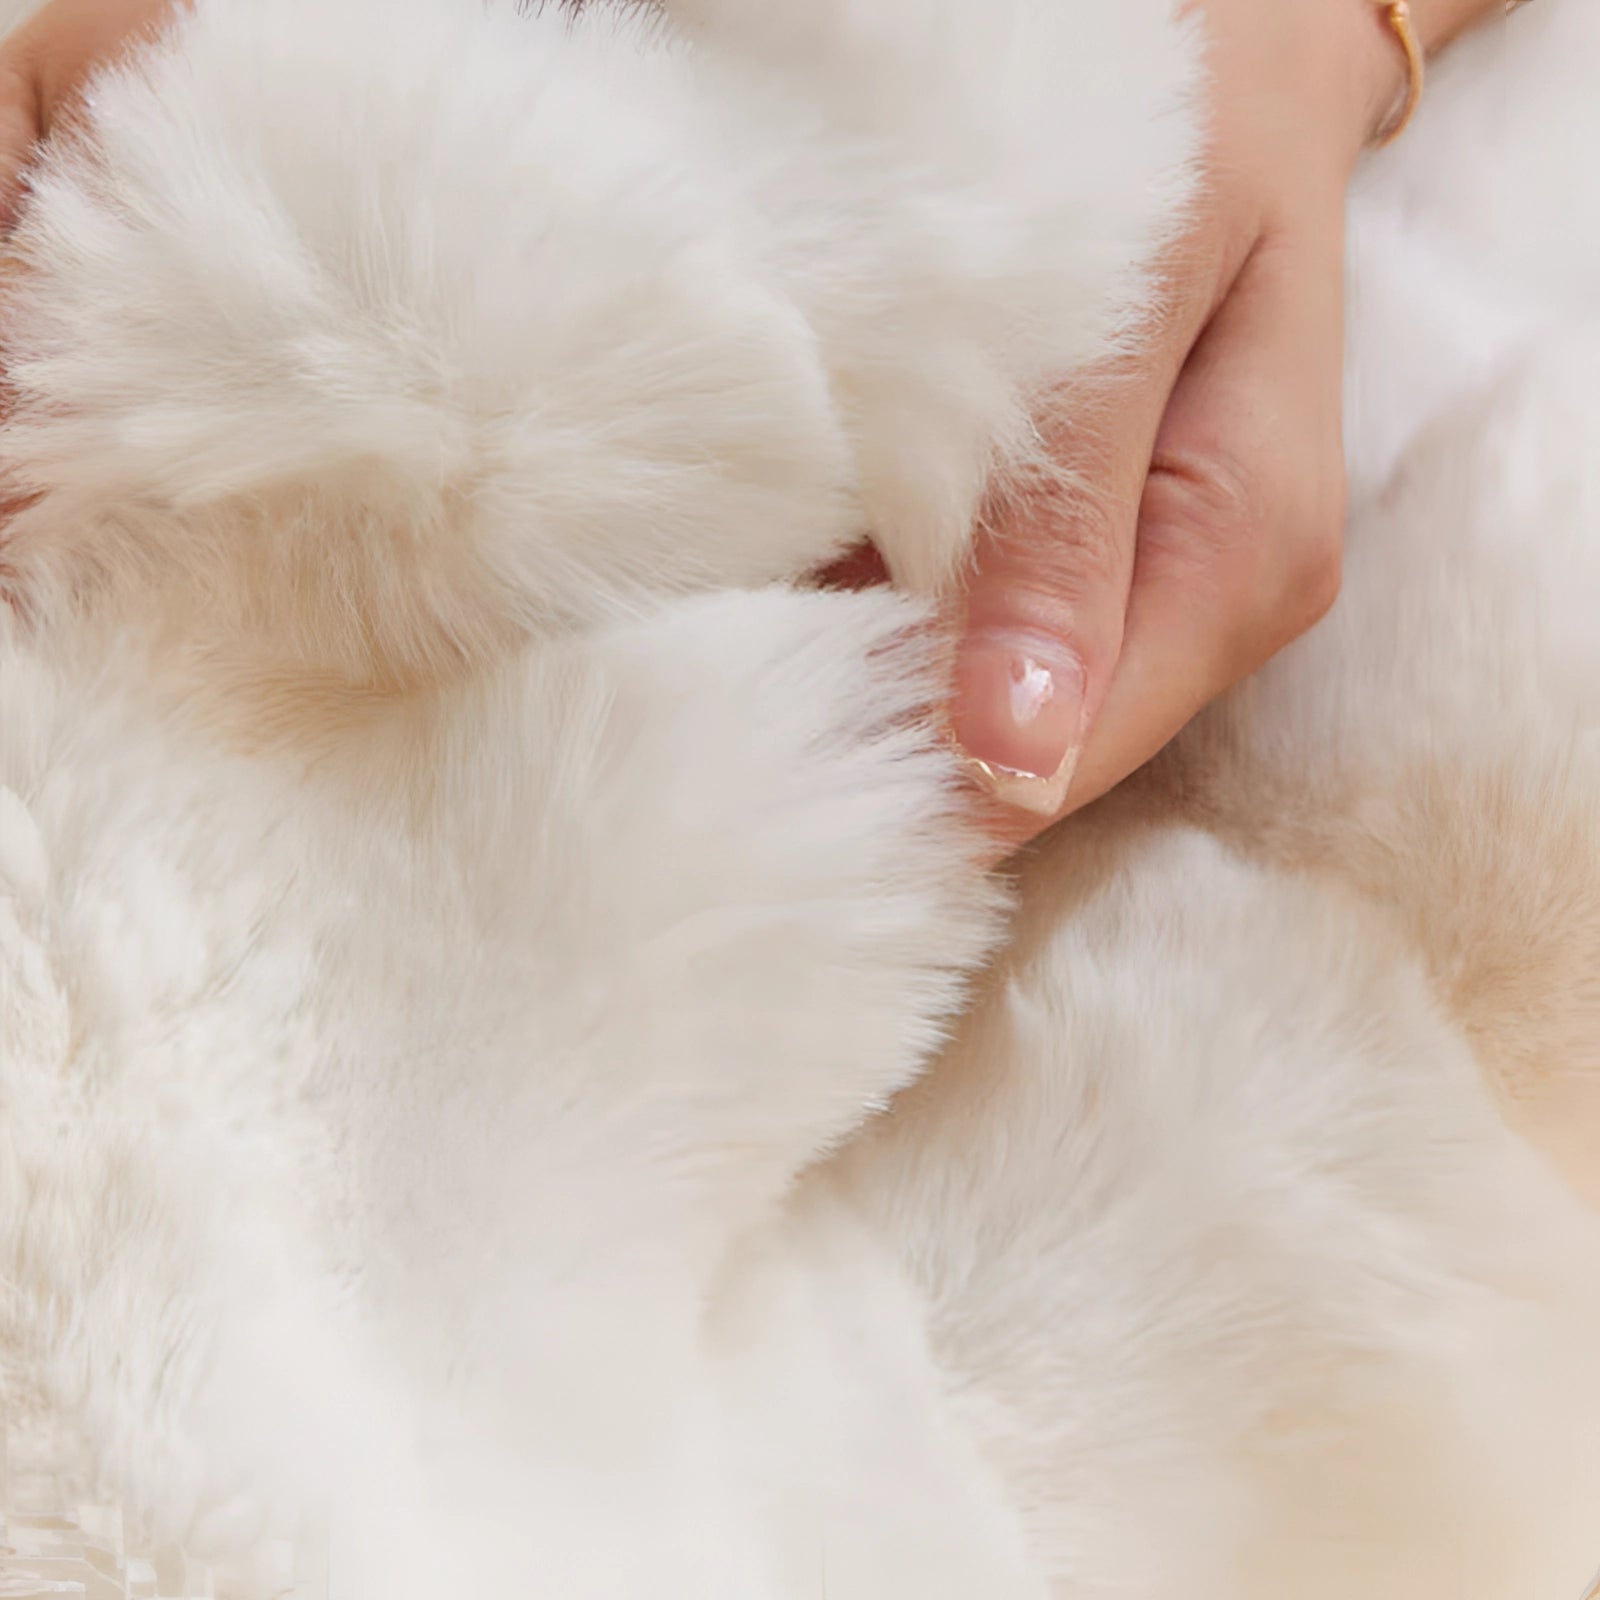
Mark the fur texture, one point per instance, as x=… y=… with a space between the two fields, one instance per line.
x=475 y=933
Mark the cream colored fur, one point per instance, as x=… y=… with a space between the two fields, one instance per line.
x=477 y=938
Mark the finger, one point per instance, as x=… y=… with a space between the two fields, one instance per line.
x=19 y=129
x=1242 y=520
x=1046 y=603
x=44 y=64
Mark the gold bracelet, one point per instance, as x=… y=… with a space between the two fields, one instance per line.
x=1397 y=13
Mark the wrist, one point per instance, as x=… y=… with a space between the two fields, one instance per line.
x=1323 y=78
x=1435 y=24
x=1441 y=22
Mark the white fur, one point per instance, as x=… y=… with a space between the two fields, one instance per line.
x=472 y=954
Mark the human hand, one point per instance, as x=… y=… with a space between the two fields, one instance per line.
x=1205 y=530
x=43 y=66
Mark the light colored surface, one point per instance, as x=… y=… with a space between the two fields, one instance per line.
x=1200 y=1158
x=52 y=1542
x=56 y=1543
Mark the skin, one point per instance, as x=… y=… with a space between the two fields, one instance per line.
x=1205 y=530
x=43 y=66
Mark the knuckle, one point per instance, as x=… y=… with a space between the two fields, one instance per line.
x=1313 y=570
x=1090 y=550
x=1313 y=551
x=1212 y=515
x=1267 y=545
x=1067 y=541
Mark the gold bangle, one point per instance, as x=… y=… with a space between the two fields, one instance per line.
x=1397 y=13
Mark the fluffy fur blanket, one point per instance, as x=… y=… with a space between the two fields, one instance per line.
x=511 y=1078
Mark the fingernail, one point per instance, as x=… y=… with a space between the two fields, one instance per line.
x=1018 y=712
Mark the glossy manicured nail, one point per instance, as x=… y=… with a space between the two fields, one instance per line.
x=1018 y=712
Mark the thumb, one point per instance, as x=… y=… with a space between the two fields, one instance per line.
x=1046 y=602
x=1242 y=521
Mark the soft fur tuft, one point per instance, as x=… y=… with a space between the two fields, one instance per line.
x=739 y=306
x=504 y=1053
